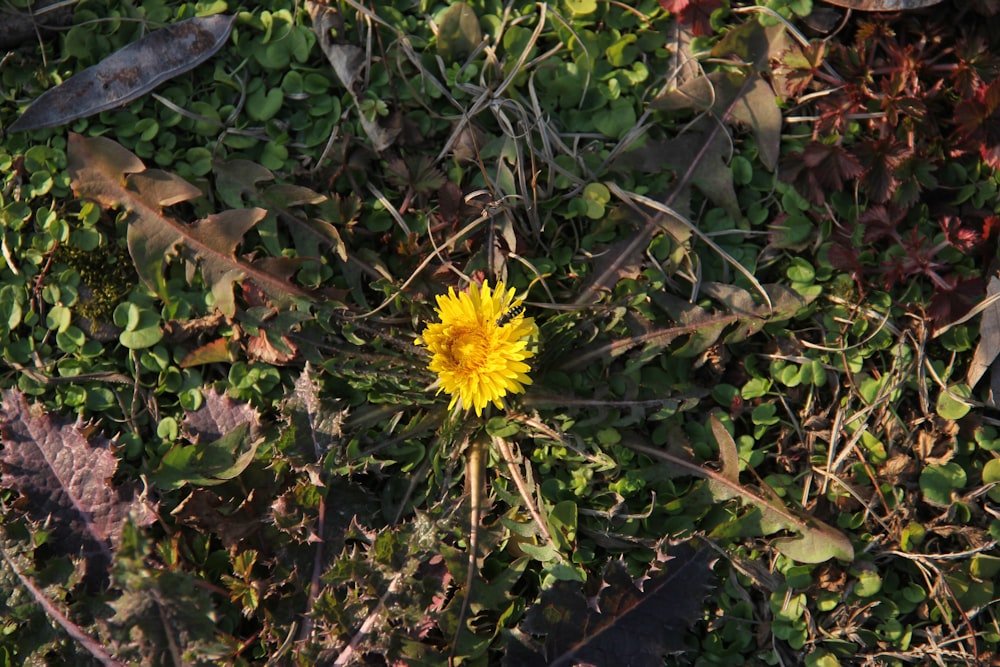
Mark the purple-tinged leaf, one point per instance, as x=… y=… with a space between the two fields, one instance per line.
x=883 y=5
x=219 y=415
x=66 y=479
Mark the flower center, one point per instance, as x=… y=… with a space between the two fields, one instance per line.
x=469 y=349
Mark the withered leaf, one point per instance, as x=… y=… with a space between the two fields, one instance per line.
x=349 y=64
x=217 y=516
x=66 y=479
x=742 y=317
x=129 y=73
x=738 y=98
x=813 y=542
x=458 y=32
x=216 y=351
x=108 y=173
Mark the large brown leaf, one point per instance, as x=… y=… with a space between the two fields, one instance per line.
x=108 y=173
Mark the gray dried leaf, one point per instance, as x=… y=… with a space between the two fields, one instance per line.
x=129 y=73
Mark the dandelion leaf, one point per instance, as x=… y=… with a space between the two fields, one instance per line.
x=66 y=478
x=236 y=180
x=740 y=97
x=626 y=623
x=348 y=62
x=755 y=106
x=207 y=464
x=813 y=542
x=218 y=415
x=106 y=172
x=317 y=424
x=162 y=612
x=704 y=150
x=753 y=43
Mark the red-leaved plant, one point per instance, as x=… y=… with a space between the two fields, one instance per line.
x=906 y=106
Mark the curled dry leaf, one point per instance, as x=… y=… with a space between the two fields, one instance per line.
x=129 y=73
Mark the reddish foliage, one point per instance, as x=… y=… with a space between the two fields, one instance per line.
x=947 y=305
x=798 y=67
x=978 y=123
x=881 y=222
x=911 y=92
x=695 y=13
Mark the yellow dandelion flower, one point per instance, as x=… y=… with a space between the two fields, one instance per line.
x=479 y=348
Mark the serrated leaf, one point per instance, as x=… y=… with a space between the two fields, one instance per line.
x=704 y=150
x=756 y=106
x=629 y=622
x=318 y=424
x=702 y=326
x=815 y=541
x=206 y=464
x=751 y=42
x=66 y=479
x=349 y=64
x=287 y=195
x=235 y=179
x=110 y=174
x=218 y=415
x=162 y=609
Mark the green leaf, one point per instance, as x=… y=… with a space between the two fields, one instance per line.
x=949 y=403
x=59 y=318
x=616 y=121
x=937 y=482
x=581 y=7
x=501 y=427
x=991 y=475
x=139 y=339
x=596 y=196
x=206 y=464
x=264 y=104
x=562 y=520
x=869 y=583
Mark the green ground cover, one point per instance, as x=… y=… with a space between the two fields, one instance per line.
x=755 y=245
